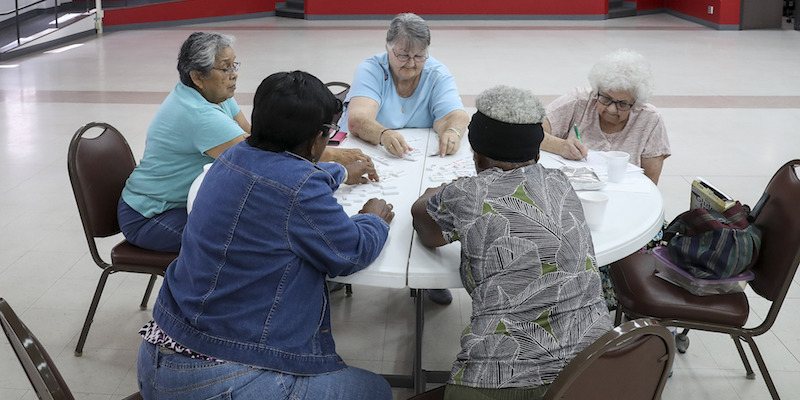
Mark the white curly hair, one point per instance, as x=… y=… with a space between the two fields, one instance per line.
x=510 y=105
x=623 y=69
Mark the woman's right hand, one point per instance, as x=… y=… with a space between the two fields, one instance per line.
x=574 y=149
x=394 y=143
x=380 y=208
x=356 y=171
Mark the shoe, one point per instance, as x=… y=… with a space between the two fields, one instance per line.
x=440 y=296
x=335 y=286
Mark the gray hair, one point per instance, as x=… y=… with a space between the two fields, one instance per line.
x=623 y=69
x=411 y=29
x=199 y=53
x=510 y=105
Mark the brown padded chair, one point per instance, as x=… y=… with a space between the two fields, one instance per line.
x=641 y=293
x=641 y=350
x=98 y=167
x=47 y=382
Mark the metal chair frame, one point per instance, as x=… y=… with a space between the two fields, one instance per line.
x=107 y=161
x=779 y=256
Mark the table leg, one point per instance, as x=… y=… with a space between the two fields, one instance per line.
x=417 y=373
x=419 y=378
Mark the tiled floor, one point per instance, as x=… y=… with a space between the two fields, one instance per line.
x=731 y=102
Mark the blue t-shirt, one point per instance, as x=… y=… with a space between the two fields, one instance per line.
x=184 y=128
x=436 y=94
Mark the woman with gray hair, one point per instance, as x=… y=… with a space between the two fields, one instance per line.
x=613 y=115
x=405 y=88
x=527 y=258
x=197 y=121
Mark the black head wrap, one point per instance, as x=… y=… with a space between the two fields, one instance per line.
x=503 y=141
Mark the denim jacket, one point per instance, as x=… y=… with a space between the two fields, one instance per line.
x=249 y=283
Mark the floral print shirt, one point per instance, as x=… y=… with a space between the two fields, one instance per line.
x=528 y=262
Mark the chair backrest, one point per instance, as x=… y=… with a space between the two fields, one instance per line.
x=98 y=167
x=632 y=361
x=39 y=367
x=341 y=95
x=779 y=222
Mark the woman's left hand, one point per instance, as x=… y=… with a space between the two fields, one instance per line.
x=449 y=142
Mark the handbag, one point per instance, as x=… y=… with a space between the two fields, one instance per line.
x=712 y=245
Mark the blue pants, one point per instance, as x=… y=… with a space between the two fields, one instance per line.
x=166 y=375
x=162 y=232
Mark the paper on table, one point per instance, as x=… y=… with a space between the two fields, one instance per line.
x=596 y=160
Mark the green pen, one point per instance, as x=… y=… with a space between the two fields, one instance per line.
x=577 y=133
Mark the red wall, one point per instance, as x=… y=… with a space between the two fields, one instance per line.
x=643 y=5
x=456 y=7
x=726 y=12
x=184 y=9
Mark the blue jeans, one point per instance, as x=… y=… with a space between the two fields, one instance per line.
x=162 y=232
x=164 y=375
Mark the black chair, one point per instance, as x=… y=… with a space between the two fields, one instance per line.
x=98 y=167
x=641 y=351
x=641 y=293
x=341 y=94
x=45 y=378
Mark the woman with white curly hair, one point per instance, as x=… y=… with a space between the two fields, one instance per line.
x=613 y=115
x=527 y=258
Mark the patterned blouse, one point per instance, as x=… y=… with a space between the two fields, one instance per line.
x=151 y=333
x=528 y=262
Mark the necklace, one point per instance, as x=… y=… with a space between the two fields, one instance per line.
x=403 y=101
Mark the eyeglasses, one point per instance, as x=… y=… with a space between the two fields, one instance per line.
x=607 y=101
x=403 y=58
x=332 y=129
x=230 y=70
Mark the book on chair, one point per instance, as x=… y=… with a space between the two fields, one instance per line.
x=705 y=195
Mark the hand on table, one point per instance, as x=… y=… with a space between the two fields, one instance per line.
x=394 y=143
x=356 y=170
x=573 y=149
x=343 y=156
x=380 y=208
x=449 y=142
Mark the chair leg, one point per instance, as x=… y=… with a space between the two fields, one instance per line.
x=92 y=310
x=743 y=356
x=761 y=366
x=618 y=315
x=348 y=290
x=147 y=292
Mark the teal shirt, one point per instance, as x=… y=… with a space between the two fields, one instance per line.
x=184 y=128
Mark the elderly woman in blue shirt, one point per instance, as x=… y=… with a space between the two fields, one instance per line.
x=244 y=311
x=405 y=88
x=198 y=120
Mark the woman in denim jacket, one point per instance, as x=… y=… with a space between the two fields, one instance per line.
x=244 y=311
